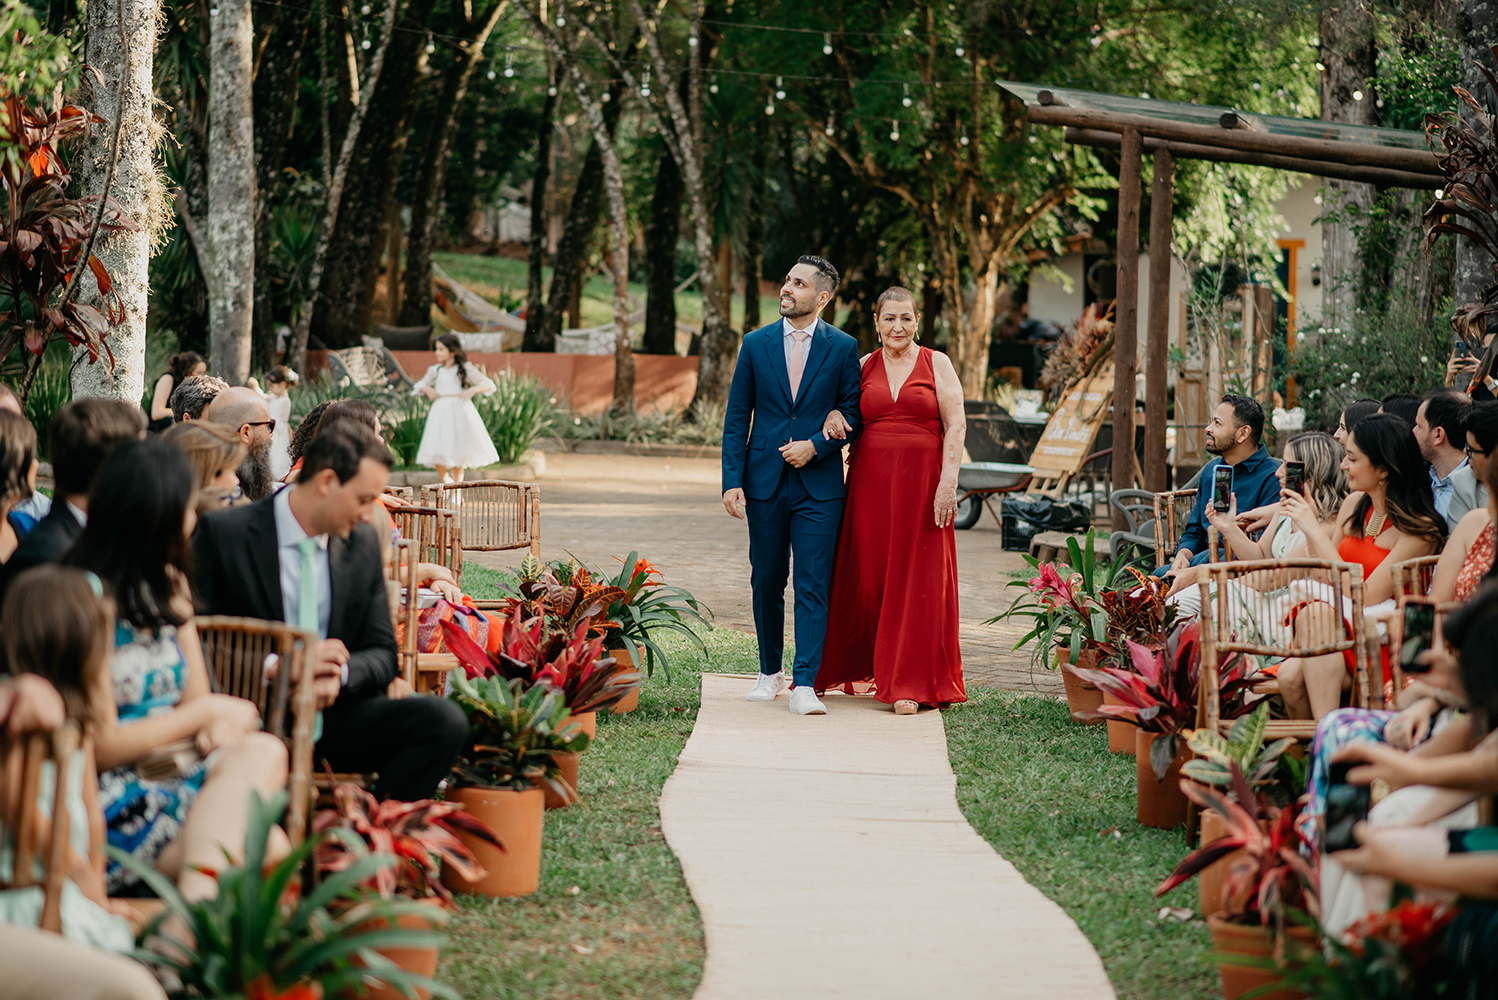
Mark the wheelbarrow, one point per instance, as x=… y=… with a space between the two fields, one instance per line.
x=977 y=481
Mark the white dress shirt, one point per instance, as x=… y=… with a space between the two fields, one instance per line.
x=288 y=533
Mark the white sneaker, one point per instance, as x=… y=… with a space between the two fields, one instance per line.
x=804 y=701
x=768 y=687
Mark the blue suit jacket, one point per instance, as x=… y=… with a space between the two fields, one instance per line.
x=761 y=391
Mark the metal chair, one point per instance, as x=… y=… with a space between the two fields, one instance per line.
x=19 y=822
x=1138 y=507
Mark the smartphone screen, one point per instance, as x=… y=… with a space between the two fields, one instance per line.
x=1295 y=476
x=1419 y=632
x=1462 y=350
x=1346 y=806
x=1222 y=487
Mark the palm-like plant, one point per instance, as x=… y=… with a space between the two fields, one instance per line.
x=1243 y=748
x=515 y=731
x=261 y=938
x=647 y=605
x=421 y=835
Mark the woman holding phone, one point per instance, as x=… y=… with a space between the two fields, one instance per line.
x=1315 y=459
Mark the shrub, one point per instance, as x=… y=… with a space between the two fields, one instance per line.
x=515 y=414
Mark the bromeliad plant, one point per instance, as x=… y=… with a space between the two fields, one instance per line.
x=261 y=938
x=1244 y=749
x=421 y=836
x=515 y=730
x=647 y=605
x=1066 y=611
x=1160 y=693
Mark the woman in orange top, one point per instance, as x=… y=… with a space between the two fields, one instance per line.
x=1388 y=518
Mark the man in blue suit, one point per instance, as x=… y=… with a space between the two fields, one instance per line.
x=781 y=474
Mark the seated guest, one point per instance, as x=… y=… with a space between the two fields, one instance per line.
x=1403 y=405
x=1233 y=436
x=1351 y=414
x=82 y=435
x=192 y=397
x=302 y=437
x=1387 y=519
x=18 y=467
x=215 y=452
x=1469 y=489
x=245 y=412
x=1468 y=555
x=155 y=706
x=61 y=966
x=1440 y=431
x=308 y=556
x=39 y=504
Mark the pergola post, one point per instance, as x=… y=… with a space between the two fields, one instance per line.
x=1155 y=474
x=1126 y=316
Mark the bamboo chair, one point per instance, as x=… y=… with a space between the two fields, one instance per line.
x=1396 y=638
x=236 y=650
x=1312 y=580
x=405 y=494
x=1171 y=510
x=423 y=671
x=19 y=820
x=436 y=533
x=1412 y=577
x=496 y=514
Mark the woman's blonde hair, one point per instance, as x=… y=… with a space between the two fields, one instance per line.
x=1325 y=479
x=209 y=447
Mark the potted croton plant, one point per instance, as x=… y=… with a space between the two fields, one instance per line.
x=647 y=605
x=1266 y=881
x=515 y=732
x=1159 y=695
x=262 y=938
x=422 y=836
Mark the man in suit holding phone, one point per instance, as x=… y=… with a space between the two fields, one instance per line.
x=308 y=556
x=784 y=476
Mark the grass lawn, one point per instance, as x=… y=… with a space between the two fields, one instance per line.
x=1047 y=794
x=612 y=917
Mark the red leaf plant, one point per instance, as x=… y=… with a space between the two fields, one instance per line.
x=422 y=836
x=1161 y=692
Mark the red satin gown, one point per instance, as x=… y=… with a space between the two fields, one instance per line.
x=892 y=612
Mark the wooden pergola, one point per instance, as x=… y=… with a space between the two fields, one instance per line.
x=1171 y=131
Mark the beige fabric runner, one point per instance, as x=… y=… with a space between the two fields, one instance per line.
x=829 y=859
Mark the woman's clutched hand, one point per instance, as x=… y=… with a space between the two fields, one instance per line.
x=835 y=427
x=225 y=719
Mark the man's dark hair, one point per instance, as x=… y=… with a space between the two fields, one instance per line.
x=1447 y=408
x=1247 y=411
x=82 y=435
x=1404 y=405
x=827 y=276
x=341 y=446
x=192 y=397
x=1482 y=423
x=1358 y=409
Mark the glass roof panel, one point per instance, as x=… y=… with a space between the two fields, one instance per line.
x=1206 y=114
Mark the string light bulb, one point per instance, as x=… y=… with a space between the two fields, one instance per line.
x=550 y=91
x=964 y=139
x=645 y=85
x=828 y=129
x=779 y=89
x=692 y=38
x=712 y=87
x=961 y=52
x=364 y=9
x=364 y=44
x=769 y=105
x=489 y=75
x=607 y=97
x=905 y=101
x=509 y=65
x=431 y=46
x=894 y=130
x=1357 y=95
x=561 y=20
x=826 y=43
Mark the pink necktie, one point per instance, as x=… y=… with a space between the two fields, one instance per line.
x=798 y=359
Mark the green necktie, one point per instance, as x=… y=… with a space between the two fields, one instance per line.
x=306 y=606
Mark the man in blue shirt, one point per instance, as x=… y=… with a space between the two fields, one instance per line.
x=1233 y=436
x=1440 y=431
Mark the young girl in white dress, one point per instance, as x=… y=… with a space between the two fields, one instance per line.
x=455 y=437
x=278 y=383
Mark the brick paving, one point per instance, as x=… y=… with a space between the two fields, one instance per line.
x=599 y=507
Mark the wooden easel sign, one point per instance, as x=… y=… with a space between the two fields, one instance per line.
x=1073 y=427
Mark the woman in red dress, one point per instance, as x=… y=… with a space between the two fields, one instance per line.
x=892 y=612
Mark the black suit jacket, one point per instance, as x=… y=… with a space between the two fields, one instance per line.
x=52 y=536
x=238 y=572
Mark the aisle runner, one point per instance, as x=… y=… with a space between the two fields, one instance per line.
x=829 y=859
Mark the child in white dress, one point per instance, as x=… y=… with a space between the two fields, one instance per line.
x=455 y=437
x=278 y=383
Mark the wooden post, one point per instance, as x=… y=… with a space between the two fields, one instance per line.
x=1126 y=316
x=1155 y=474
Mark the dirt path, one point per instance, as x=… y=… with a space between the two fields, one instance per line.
x=599 y=507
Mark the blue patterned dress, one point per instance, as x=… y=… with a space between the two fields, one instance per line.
x=145 y=816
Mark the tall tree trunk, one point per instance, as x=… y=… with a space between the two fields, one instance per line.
x=1349 y=56
x=122 y=93
x=535 y=289
x=426 y=205
x=754 y=239
x=277 y=79
x=231 y=191
x=1477 y=27
x=344 y=311
x=661 y=236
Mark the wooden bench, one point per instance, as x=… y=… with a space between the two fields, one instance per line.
x=1050 y=546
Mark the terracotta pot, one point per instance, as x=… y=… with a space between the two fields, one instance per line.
x=554 y=799
x=589 y=722
x=1080 y=696
x=420 y=961
x=1120 y=734
x=1244 y=939
x=516 y=817
x=1161 y=803
x=631 y=701
x=1209 y=882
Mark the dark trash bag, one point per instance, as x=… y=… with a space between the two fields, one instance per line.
x=1025 y=517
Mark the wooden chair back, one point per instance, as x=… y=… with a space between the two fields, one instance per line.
x=1171 y=510
x=1396 y=639
x=496 y=514
x=236 y=651
x=1412 y=577
x=21 y=764
x=437 y=534
x=423 y=671
x=1248 y=607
